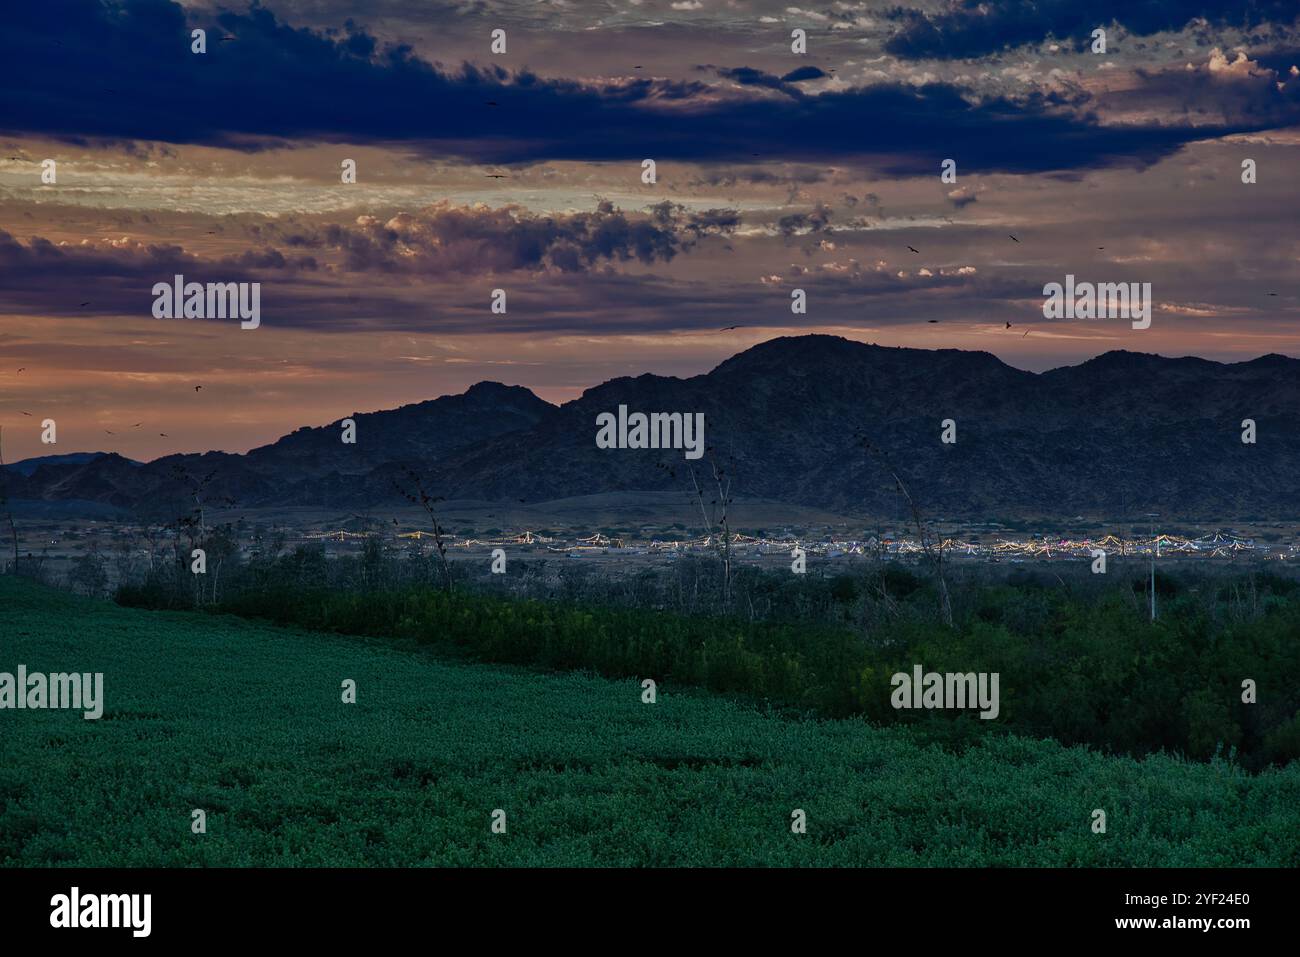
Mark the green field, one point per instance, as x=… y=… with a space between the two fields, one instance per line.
x=245 y=721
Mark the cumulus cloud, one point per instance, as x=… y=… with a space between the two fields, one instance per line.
x=972 y=28
x=962 y=196
x=1224 y=88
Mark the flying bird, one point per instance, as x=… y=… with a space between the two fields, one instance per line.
x=1026 y=333
x=197 y=388
x=162 y=434
x=106 y=432
x=1008 y=325
x=1013 y=238
x=493 y=103
x=728 y=328
x=1272 y=294
x=932 y=320
x=84 y=304
x=224 y=39
x=137 y=425
x=26 y=413
x=914 y=250
x=495 y=175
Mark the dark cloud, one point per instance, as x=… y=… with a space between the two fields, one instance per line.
x=443 y=239
x=124 y=70
x=972 y=28
x=816 y=221
x=748 y=76
x=41 y=276
x=802 y=74
x=760 y=177
x=436 y=243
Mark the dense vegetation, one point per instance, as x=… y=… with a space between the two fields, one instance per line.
x=245 y=721
x=1079 y=661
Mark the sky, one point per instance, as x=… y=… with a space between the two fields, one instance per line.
x=522 y=170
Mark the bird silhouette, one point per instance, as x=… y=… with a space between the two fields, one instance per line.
x=932 y=320
x=106 y=432
x=493 y=103
x=23 y=369
x=1272 y=294
x=1026 y=333
x=1008 y=325
x=496 y=175
x=84 y=304
x=728 y=328
x=1013 y=238
x=162 y=434
x=137 y=425
x=197 y=388
x=914 y=250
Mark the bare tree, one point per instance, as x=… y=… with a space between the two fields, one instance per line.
x=153 y=536
x=715 y=518
x=877 y=544
x=221 y=545
x=192 y=524
x=931 y=542
x=124 y=547
x=427 y=502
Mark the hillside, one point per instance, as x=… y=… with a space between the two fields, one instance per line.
x=1118 y=436
x=245 y=721
x=26 y=467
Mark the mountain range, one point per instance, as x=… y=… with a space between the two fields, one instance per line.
x=809 y=420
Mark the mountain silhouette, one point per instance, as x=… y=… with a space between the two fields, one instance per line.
x=810 y=420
